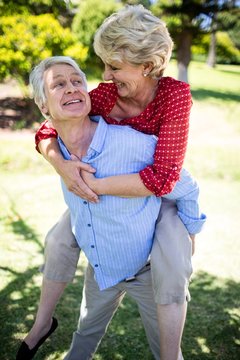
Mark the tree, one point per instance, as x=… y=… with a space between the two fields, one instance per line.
x=26 y=39
x=187 y=21
x=224 y=18
x=89 y=17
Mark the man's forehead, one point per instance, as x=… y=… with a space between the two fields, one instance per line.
x=60 y=70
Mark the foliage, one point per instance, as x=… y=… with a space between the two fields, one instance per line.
x=34 y=7
x=26 y=39
x=89 y=17
x=145 y=3
x=229 y=21
x=227 y=53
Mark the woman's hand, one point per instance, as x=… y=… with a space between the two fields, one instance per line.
x=70 y=172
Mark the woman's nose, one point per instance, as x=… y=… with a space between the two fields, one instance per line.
x=107 y=74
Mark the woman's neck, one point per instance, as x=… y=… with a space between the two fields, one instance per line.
x=127 y=107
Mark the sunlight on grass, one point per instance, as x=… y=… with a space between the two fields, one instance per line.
x=202 y=343
x=31 y=202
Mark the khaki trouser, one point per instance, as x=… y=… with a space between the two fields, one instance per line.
x=98 y=308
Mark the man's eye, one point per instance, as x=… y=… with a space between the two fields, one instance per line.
x=60 y=84
x=77 y=82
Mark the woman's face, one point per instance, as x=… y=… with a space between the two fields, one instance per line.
x=129 y=79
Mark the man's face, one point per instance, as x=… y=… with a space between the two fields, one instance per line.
x=67 y=97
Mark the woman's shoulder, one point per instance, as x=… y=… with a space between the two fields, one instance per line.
x=167 y=82
x=103 y=88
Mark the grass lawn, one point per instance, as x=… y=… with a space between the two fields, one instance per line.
x=31 y=201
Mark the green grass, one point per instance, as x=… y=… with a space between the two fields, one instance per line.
x=31 y=201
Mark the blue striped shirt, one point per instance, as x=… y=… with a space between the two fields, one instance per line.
x=116 y=234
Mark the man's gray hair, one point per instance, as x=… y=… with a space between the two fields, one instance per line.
x=36 y=78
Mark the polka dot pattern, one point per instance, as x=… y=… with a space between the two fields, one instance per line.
x=167 y=117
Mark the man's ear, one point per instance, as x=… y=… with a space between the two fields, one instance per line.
x=44 y=109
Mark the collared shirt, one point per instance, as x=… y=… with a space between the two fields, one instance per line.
x=116 y=234
x=167 y=117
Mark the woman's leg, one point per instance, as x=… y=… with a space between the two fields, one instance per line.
x=61 y=258
x=171 y=270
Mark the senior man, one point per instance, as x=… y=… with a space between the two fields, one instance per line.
x=116 y=234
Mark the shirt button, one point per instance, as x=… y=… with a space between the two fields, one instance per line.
x=85 y=202
x=88 y=225
x=92 y=246
x=96 y=265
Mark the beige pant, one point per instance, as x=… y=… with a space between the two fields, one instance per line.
x=98 y=308
x=170 y=257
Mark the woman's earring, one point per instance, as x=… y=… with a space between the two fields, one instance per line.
x=145 y=74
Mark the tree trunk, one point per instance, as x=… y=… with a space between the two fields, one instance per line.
x=184 y=55
x=211 y=60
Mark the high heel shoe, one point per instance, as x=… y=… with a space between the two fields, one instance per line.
x=24 y=353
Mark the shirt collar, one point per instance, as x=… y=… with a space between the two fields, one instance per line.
x=98 y=139
x=97 y=142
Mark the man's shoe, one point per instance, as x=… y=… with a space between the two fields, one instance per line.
x=24 y=353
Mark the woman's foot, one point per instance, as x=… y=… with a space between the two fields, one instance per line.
x=33 y=341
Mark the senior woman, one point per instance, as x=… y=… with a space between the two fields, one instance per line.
x=135 y=48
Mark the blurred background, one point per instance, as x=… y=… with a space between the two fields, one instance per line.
x=206 y=35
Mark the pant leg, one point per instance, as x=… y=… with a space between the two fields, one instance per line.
x=97 y=310
x=142 y=292
x=171 y=257
x=61 y=253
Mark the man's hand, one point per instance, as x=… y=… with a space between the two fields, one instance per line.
x=192 y=237
x=71 y=174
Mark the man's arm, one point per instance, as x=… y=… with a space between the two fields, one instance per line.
x=186 y=194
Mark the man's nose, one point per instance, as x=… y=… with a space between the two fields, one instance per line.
x=70 y=88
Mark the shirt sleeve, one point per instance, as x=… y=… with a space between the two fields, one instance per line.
x=186 y=194
x=45 y=131
x=161 y=177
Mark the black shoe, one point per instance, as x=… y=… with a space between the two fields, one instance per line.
x=24 y=353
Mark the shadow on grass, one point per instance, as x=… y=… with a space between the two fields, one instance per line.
x=204 y=94
x=18 y=225
x=211 y=330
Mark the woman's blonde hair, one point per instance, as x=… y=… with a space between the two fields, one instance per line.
x=135 y=35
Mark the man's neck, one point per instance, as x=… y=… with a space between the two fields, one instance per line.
x=77 y=135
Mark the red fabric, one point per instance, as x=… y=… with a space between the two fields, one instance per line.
x=167 y=117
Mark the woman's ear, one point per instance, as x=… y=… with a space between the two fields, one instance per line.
x=148 y=66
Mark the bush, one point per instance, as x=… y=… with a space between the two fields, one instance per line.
x=27 y=39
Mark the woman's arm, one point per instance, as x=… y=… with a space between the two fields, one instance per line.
x=70 y=171
x=129 y=185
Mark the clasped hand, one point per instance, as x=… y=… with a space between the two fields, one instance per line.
x=72 y=174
